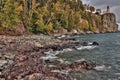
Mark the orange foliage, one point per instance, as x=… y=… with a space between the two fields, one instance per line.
x=20 y=8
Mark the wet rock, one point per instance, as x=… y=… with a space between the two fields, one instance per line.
x=77 y=66
x=95 y=43
x=21 y=58
x=86 y=65
x=2 y=79
x=54 y=62
x=10 y=62
x=1 y=46
x=3 y=63
x=84 y=44
x=68 y=39
x=34 y=76
x=38 y=44
x=8 y=55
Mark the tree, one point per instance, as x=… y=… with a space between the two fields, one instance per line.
x=92 y=9
x=10 y=16
x=39 y=24
x=49 y=27
x=77 y=20
x=84 y=25
x=71 y=21
x=47 y=15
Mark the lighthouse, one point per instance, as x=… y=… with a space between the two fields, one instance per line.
x=108 y=9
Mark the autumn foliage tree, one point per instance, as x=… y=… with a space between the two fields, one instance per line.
x=10 y=16
x=44 y=16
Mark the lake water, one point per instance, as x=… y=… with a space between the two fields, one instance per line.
x=107 y=54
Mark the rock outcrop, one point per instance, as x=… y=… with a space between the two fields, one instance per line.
x=109 y=22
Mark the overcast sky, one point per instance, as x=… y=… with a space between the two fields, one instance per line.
x=114 y=5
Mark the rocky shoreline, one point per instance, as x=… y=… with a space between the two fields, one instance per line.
x=24 y=58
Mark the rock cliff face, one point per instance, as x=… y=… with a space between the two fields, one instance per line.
x=109 y=23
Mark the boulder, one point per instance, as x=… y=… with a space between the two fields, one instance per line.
x=3 y=63
x=95 y=43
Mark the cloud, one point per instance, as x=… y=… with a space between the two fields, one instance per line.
x=114 y=5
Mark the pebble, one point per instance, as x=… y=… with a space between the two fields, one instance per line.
x=3 y=62
x=9 y=55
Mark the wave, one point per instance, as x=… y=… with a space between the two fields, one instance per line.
x=80 y=60
x=52 y=66
x=49 y=57
x=90 y=43
x=54 y=53
x=100 y=68
x=61 y=71
x=86 y=47
x=62 y=36
x=61 y=60
x=67 y=49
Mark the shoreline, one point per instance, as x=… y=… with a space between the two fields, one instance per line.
x=18 y=52
x=82 y=33
x=21 y=58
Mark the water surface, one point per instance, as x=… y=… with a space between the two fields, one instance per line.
x=107 y=54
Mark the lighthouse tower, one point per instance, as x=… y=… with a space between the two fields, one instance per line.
x=108 y=9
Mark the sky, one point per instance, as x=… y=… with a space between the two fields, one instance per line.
x=114 y=5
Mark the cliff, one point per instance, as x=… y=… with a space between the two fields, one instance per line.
x=49 y=16
x=109 y=23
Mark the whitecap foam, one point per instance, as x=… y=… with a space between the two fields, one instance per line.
x=51 y=65
x=67 y=49
x=86 y=47
x=61 y=71
x=60 y=60
x=47 y=53
x=90 y=43
x=67 y=62
x=80 y=60
x=62 y=36
x=49 y=57
x=54 y=53
x=100 y=68
x=58 y=52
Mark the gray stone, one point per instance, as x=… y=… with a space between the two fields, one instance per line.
x=9 y=55
x=109 y=22
x=10 y=61
x=3 y=62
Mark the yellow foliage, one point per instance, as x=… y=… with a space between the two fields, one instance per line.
x=94 y=29
x=57 y=5
x=45 y=10
x=77 y=17
x=83 y=25
x=24 y=1
x=49 y=27
x=33 y=2
x=20 y=8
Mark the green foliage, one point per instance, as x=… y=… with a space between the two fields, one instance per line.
x=44 y=16
x=39 y=24
x=10 y=17
x=49 y=27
